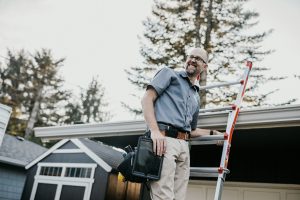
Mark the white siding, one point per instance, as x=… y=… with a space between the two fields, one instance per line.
x=204 y=190
x=4 y=116
x=11 y=183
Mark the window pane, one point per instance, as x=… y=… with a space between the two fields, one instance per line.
x=51 y=171
x=89 y=170
x=78 y=172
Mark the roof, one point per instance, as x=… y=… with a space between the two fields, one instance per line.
x=109 y=154
x=106 y=156
x=282 y=116
x=17 y=151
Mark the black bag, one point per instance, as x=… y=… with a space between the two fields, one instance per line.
x=141 y=165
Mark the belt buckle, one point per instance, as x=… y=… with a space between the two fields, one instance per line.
x=181 y=135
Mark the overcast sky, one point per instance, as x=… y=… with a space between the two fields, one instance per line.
x=99 y=37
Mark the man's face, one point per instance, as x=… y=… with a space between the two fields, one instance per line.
x=194 y=64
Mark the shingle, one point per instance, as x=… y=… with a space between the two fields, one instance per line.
x=109 y=154
x=19 y=149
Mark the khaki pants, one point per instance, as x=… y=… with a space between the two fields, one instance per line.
x=175 y=172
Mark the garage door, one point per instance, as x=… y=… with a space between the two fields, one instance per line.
x=63 y=181
x=204 y=190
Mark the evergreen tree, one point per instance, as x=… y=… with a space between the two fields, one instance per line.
x=31 y=86
x=14 y=89
x=90 y=108
x=222 y=27
x=47 y=92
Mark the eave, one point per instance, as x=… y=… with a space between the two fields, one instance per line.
x=283 y=116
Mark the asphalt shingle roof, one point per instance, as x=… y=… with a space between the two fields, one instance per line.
x=109 y=154
x=18 y=151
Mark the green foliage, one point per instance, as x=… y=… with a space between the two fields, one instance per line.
x=222 y=27
x=29 y=80
x=90 y=107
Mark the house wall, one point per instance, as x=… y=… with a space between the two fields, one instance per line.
x=243 y=191
x=100 y=178
x=119 y=190
x=12 y=180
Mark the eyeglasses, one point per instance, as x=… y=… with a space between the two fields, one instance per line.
x=197 y=58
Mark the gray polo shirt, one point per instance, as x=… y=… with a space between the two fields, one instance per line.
x=178 y=100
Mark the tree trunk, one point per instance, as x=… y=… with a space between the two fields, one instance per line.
x=33 y=114
x=203 y=77
x=197 y=7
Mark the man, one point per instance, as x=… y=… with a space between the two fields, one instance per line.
x=171 y=107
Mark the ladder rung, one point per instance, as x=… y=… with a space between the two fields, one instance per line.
x=200 y=174
x=207 y=171
x=205 y=142
x=208 y=139
x=232 y=107
x=221 y=84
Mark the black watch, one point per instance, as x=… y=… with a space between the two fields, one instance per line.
x=211 y=132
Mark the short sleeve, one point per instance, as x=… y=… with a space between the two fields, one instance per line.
x=161 y=80
x=195 y=120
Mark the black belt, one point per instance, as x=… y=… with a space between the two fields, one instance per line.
x=171 y=131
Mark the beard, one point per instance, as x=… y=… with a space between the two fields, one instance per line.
x=192 y=69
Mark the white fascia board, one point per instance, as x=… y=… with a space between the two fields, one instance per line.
x=53 y=148
x=92 y=130
x=283 y=116
x=12 y=161
x=92 y=155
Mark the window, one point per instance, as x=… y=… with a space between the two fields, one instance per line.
x=78 y=172
x=67 y=170
x=51 y=171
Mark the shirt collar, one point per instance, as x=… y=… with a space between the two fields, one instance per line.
x=184 y=75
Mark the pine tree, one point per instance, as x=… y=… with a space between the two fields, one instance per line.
x=90 y=107
x=222 y=27
x=31 y=85
x=15 y=89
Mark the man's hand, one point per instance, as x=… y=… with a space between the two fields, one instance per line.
x=215 y=132
x=219 y=142
x=159 y=143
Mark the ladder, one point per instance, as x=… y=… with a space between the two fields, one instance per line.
x=221 y=171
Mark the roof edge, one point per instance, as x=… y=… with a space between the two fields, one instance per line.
x=12 y=161
x=283 y=116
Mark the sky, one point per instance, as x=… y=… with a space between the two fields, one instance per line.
x=100 y=38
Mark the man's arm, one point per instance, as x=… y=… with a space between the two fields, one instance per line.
x=159 y=141
x=200 y=132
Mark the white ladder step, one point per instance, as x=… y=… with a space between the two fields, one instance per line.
x=208 y=139
x=225 y=108
x=207 y=171
x=221 y=84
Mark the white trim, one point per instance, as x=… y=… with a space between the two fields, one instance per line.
x=59 y=164
x=82 y=148
x=62 y=180
x=87 y=192
x=12 y=161
x=51 y=164
x=247 y=184
x=53 y=148
x=283 y=116
x=92 y=155
x=58 y=192
x=199 y=189
x=68 y=151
